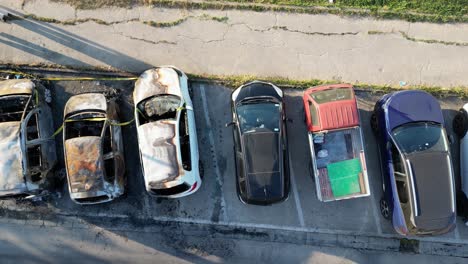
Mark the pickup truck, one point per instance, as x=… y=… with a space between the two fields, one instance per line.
x=336 y=144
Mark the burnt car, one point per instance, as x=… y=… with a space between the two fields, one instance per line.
x=167 y=135
x=28 y=151
x=260 y=143
x=93 y=149
x=418 y=181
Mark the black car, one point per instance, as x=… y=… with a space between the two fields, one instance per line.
x=261 y=152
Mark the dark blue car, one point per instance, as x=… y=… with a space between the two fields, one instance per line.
x=418 y=182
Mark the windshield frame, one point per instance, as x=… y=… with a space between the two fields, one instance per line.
x=327 y=98
x=404 y=152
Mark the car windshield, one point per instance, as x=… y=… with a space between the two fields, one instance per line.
x=259 y=116
x=12 y=107
x=331 y=95
x=160 y=107
x=420 y=137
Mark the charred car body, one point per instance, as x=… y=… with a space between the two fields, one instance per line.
x=93 y=149
x=167 y=135
x=28 y=151
x=261 y=153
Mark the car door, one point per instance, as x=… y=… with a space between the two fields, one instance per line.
x=238 y=156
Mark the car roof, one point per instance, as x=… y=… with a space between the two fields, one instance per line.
x=11 y=169
x=412 y=106
x=262 y=157
x=85 y=166
x=432 y=176
x=163 y=80
x=158 y=146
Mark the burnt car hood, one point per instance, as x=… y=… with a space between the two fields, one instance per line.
x=152 y=82
x=86 y=102
x=434 y=188
x=158 y=149
x=264 y=179
x=11 y=170
x=412 y=106
x=85 y=166
x=16 y=86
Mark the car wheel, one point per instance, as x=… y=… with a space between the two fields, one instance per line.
x=201 y=169
x=460 y=124
x=374 y=124
x=385 y=209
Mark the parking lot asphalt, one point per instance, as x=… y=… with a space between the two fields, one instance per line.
x=217 y=201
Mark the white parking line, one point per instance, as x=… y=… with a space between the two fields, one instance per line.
x=457 y=233
x=300 y=215
x=212 y=146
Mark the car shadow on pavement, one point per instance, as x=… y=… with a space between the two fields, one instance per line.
x=80 y=44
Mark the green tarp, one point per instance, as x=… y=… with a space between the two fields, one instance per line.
x=344 y=177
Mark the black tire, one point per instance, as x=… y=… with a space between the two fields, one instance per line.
x=201 y=169
x=385 y=209
x=460 y=124
x=374 y=123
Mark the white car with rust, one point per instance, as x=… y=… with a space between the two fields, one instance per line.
x=27 y=149
x=167 y=136
x=93 y=148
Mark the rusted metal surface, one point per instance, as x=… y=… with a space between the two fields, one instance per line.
x=158 y=148
x=85 y=167
x=11 y=170
x=89 y=101
x=16 y=86
x=17 y=174
x=156 y=81
x=89 y=182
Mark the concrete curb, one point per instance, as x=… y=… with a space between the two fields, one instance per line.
x=178 y=229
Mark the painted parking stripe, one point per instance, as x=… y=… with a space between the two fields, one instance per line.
x=212 y=146
x=300 y=214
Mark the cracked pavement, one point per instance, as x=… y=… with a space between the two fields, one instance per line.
x=269 y=44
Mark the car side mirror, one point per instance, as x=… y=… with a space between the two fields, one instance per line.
x=230 y=124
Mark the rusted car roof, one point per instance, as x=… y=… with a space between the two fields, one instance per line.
x=87 y=101
x=16 y=86
x=84 y=164
x=163 y=80
x=158 y=146
x=11 y=170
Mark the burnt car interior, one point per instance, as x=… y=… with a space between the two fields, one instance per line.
x=79 y=127
x=14 y=108
x=165 y=107
x=159 y=107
